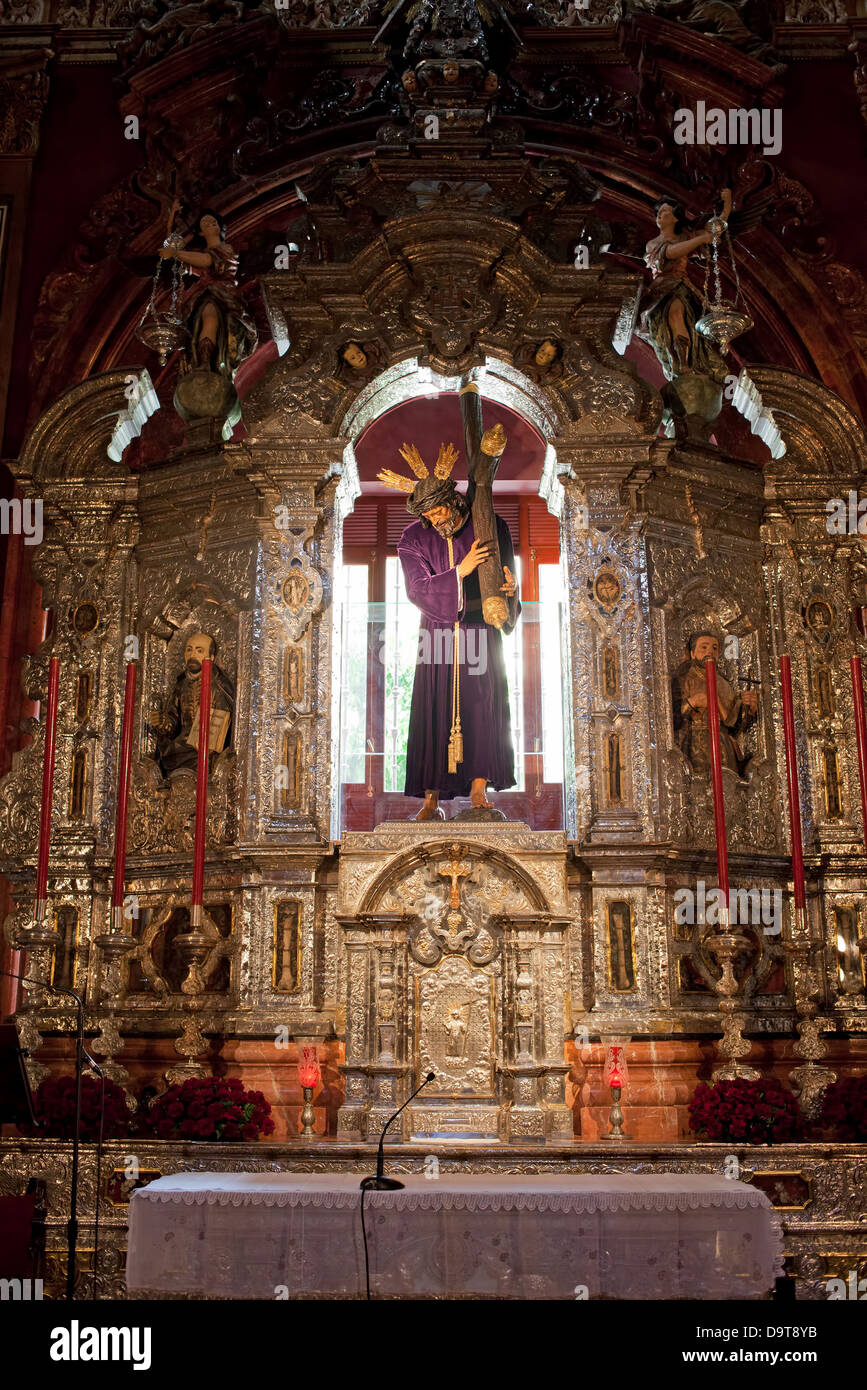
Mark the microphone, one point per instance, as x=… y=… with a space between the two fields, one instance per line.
x=380 y=1183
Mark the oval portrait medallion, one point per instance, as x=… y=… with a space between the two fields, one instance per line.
x=819 y=617
x=85 y=618
x=295 y=591
x=607 y=589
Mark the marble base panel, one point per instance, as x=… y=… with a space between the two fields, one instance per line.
x=662 y=1076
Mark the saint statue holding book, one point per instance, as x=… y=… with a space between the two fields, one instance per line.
x=176 y=726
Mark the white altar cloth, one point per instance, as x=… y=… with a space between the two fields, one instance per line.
x=298 y=1235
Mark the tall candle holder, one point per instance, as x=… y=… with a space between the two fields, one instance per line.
x=195 y=944
x=194 y=947
x=116 y=942
x=114 y=946
x=190 y=1045
x=38 y=941
x=810 y=1080
x=725 y=946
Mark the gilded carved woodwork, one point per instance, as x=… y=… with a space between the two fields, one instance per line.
x=425 y=948
x=656 y=540
x=24 y=84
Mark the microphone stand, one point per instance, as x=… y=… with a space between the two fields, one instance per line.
x=72 y=1223
x=380 y=1183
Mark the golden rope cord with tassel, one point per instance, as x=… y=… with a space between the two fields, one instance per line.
x=456 y=738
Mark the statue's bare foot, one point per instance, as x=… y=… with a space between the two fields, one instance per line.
x=431 y=810
x=478 y=796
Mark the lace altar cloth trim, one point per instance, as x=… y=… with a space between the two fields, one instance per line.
x=243 y=1235
x=661 y=1192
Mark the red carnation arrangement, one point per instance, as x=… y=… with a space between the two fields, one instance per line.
x=747 y=1112
x=211 y=1108
x=844 y=1109
x=54 y=1105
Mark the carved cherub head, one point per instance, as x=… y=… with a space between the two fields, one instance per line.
x=354 y=356
x=547 y=352
x=451 y=72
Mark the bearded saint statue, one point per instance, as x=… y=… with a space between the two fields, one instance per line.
x=737 y=710
x=459 y=738
x=176 y=726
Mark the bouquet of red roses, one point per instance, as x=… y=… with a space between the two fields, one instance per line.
x=747 y=1112
x=54 y=1105
x=211 y=1107
x=844 y=1109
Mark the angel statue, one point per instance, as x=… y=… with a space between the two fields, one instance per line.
x=671 y=307
x=221 y=331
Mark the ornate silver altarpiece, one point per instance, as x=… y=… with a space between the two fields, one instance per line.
x=471 y=950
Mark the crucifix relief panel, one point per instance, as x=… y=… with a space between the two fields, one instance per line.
x=455 y=961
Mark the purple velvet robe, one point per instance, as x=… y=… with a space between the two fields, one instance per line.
x=484 y=697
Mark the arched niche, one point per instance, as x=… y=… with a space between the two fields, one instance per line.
x=406 y=381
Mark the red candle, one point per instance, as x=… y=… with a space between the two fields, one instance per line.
x=47 y=787
x=201 y=793
x=615 y=1078
x=123 y=796
x=719 y=810
x=792 y=780
x=860 y=736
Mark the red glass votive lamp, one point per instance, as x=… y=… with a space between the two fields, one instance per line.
x=308 y=1077
x=308 y=1069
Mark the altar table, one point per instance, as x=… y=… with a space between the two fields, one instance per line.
x=298 y=1235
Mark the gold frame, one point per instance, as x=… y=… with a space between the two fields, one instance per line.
x=83 y=674
x=295 y=572
x=824 y=750
x=76 y=942
x=298 y=904
x=608 y=964
x=613 y=648
x=796 y=1173
x=86 y=603
x=83 y=755
x=118 y=1173
x=857 y=906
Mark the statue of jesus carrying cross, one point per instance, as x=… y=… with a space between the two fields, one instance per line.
x=459 y=738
